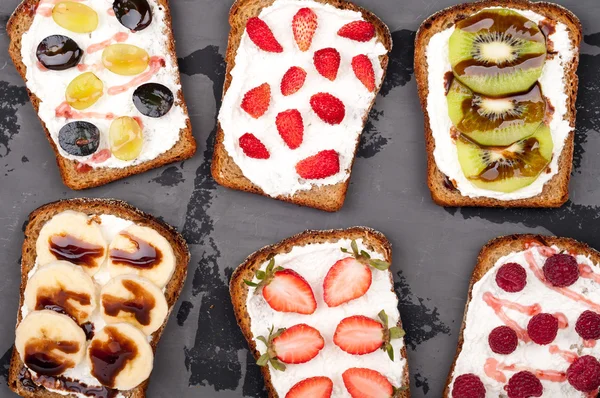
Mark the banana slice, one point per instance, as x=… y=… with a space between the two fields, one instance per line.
x=49 y=343
x=73 y=237
x=63 y=287
x=120 y=356
x=135 y=300
x=142 y=251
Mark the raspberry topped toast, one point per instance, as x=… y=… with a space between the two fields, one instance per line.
x=532 y=322
x=103 y=77
x=321 y=317
x=99 y=279
x=301 y=78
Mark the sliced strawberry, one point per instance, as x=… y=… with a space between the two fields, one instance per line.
x=327 y=62
x=322 y=165
x=253 y=147
x=256 y=101
x=298 y=344
x=358 y=30
x=314 y=387
x=304 y=26
x=293 y=80
x=260 y=33
x=363 y=69
x=329 y=108
x=287 y=291
x=291 y=127
x=367 y=383
x=359 y=335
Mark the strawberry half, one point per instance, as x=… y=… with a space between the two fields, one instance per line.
x=253 y=147
x=367 y=383
x=297 y=344
x=293 y=80
x=284 y=290
x=314 y=387
x=322 y=165
x=260 y=33
x=304 y=25
x=361 y=335
x=329 y=108
x=363 y=70
x=358 y=30
x=256 y=101
x=350 y=278
x=290 y=127
x=327 y=62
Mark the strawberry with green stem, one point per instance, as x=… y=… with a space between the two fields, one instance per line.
x=296 y=344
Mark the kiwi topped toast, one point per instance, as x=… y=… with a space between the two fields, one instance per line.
x=497 y=82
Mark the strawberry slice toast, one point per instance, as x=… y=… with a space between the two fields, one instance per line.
x=321 y=317
x=302 y=76
x=532 y=322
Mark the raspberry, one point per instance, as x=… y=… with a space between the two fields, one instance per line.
x=511 y=277
x=584 y=374
x=561 y=270
x=503 y=340
x=543 y=328
x=588 y=326
x=468 y=386
x=524 y=385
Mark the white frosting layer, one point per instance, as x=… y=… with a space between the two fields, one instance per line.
x=313 y=261
x=481 y=320
x=553 y=86
x=160 y=134
x=253 y=67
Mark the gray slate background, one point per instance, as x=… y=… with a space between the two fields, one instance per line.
x=203 y=352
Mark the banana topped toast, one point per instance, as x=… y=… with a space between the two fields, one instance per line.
x=99 y=280
x=102 y=76
x=301 y=78
x=497 y=82
x=321 y=316
x=532 y=322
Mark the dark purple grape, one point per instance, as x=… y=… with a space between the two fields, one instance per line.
x=58 y=52
x=133 y=14
x=79 y=138
x=153 y=99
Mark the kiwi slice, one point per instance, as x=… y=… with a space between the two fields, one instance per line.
x=497 y=52
x=495 y=121
x=507 y=168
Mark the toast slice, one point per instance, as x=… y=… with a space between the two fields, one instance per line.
x=224 y=169
x=443 y=191
x=371 y=239
x=17 y=381
x=72 y=174
x=503 y=246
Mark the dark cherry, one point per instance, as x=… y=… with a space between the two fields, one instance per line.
x=58 y=52
x=133 y=14
x=153 y=99
x=79 y=138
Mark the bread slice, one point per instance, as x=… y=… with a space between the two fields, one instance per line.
x=185 y=148
x=556 y=191
x=373 y=240
x=224 y=169
x=24 y=387
x=500 y=247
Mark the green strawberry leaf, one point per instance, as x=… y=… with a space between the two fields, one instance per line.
x=277 y=365
x=263 y=360
x=250 y=283
x=384 y=318
x=379 y=264
x=390 y=351
x=397 y=333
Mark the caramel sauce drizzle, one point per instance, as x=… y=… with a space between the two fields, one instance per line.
x=69 y=248
x=145 y=255
x=140 y=306
x=39 y=356
x=60 y=300
x=110 y=357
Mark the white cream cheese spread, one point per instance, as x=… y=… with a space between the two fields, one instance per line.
x=481 y=319
x=160 y=134
x=277 y=175
x=553 y=86
x=313 y=261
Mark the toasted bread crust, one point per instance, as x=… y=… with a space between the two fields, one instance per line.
x=556 y=191
x=374 y=240
x=96 y=206
x=224 y=169
x=502 y=246
x=18 y=24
